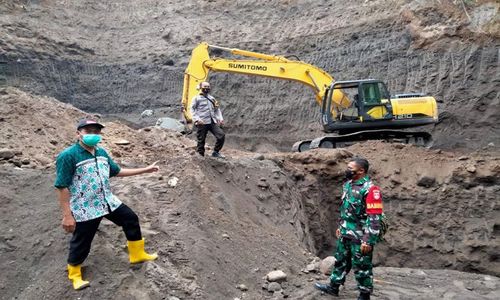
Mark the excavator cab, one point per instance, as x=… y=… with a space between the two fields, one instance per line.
x=362 y=110
x=361 y=103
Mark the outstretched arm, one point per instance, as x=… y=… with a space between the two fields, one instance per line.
x=137 y=171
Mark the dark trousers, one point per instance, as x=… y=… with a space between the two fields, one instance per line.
x=79 y=246
x=201 y=135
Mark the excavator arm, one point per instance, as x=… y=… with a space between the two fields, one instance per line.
x=265 y=65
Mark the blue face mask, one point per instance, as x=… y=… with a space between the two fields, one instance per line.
x=91 y=139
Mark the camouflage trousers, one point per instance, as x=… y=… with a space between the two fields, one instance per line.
x=348 y=255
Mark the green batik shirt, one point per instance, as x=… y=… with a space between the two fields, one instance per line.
x=87 y=178
x=361 y=211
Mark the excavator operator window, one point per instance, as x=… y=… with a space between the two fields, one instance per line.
x=351 y=112
x=371 y=93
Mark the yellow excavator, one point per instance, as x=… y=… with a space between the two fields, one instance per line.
x=356 y=110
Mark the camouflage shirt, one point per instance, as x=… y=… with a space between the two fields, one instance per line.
x=361 y=211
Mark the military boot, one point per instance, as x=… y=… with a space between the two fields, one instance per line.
x=331 y=289
x=364 y=296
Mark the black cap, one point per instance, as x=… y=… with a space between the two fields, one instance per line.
x=88 y=122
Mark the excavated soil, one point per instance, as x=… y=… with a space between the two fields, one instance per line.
x=230 y=222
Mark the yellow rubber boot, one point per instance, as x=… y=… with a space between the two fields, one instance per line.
x=136 y=252
x=75 y=275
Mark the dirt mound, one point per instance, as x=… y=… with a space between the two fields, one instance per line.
x=35 y=128
x=218 y=224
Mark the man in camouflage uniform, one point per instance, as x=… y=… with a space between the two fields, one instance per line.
x=358 y=232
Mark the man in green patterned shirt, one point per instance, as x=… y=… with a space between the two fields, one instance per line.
x=84 y=193
x=358 y=231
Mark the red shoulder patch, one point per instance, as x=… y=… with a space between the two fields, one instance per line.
x=374 y=201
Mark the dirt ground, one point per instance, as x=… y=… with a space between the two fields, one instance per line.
x=220 y=226
x=230 y=222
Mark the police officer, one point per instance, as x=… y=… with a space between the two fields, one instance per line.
x=358 y=230
x=207 y=116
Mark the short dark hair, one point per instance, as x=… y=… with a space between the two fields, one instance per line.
x=361 y=162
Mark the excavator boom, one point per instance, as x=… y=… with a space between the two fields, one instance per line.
x=262 y=65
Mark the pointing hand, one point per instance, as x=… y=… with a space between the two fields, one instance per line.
x=153 y=167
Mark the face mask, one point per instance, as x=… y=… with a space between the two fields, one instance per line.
x=205 y=90
x=91 y=139
x=349 y=174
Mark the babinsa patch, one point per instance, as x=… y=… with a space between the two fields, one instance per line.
x=374 y=204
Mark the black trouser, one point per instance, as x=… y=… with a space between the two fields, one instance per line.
x=79 y=246
x=201 y=135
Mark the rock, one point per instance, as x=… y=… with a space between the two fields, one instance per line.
x=276 y=276
x=491 y=144
x=147 y=113
x=273 y=287
x=170 y=123
x=426 y=181
x=17 y=163
x=122 y=142
x=260 y=157
x=42 y=160
x=6 y=153
x=226 y=236
x=25 y=161
x=463 y=157
x=263 y=185
x=313 y=266
x=54 y=142
x=116 y=153
x=471 y=169
x=326 y=265
x=395 y=179
x=242 y=287
x=172 y=182
x=262 y=197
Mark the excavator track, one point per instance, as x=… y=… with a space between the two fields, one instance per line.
x=422 y=139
